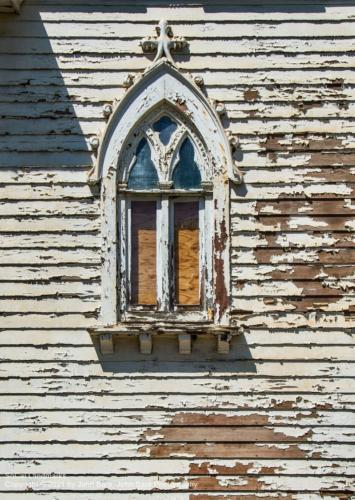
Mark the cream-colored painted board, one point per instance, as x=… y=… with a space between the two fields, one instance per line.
x=262 y=305
x=102 y=434
x=291 y=240
x=275 y=192
x=56 y=77
x=59 y=208
x=173 y=466
x=313 y=256
x=235 y=93
x=49 y=240
x=205 y=30
x=90 y=127
x=250 y=126
x=59 y=224
x=237 y=110
x=164 y=496
x=313 y=319
x=171 y=386
x=118 y=46
x=238 y=351
x=267 y=272
x=77 y=495
x=40 y=192
x=257 y=168
x=43 y=176
x=295 y=110
x=172 y=483
x=293 y=223
x=305 y=418
x=178 y=368
x=316 y=143
x=185 y=13
x=43 y=273
x=185 y=401
x=36 y=290
x=132 y=450
x=16 y=307
x=254 y=191
x=295 y=126
x=129 y=62
x=267 y=173
x=52 y=256
x=52 y=320
x=301 y=207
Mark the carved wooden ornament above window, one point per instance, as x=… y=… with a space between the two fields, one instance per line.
x=165 y=166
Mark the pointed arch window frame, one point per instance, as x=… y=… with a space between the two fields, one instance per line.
x=164 y=84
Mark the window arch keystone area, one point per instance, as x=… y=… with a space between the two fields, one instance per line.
x=165 y=166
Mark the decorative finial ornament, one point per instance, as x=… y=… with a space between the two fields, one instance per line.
x=164 y=42
x=128 y=81
x=199 y=81
x=107 y=110
x=94 y=142
x=234 y=145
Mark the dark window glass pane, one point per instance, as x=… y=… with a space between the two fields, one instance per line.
x=143 y=174
x=186 y=253
x=166 y=127
x=186 y=174
x=143 y=253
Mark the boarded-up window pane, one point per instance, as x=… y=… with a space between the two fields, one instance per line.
x=143 y=256
x=186 y=247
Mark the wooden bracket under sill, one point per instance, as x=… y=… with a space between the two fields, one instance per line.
x=183 y=332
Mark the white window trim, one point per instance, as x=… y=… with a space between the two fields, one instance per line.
x=163 y=84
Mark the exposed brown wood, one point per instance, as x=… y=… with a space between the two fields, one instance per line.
x=143 y=263
x=186 y=248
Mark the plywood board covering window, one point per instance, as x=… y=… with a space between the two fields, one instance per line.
x=186 y=249
x=143 y=248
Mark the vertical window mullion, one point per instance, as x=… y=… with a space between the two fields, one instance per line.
x=163 y=254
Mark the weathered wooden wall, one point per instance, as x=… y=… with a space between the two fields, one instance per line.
x=272 y=420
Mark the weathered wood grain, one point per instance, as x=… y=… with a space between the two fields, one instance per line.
x=275 y=417
x=169 y=385
x=195 y=30
x=183 y=450
x=159 y=418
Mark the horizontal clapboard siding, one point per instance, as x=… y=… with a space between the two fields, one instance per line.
x=274 y=418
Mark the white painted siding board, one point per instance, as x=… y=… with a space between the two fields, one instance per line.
x=286 y=77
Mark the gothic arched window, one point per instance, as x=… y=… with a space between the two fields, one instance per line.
x=165 y=167
x=165 y=195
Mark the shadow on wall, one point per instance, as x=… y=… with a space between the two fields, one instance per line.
x=48 y=112
x=41 y=105
x=165 y=356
